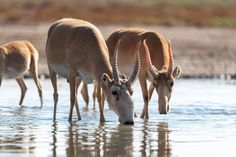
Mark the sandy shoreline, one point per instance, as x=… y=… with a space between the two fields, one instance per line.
x=199 y=51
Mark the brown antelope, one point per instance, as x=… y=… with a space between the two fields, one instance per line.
x=76 y=49
x=156 y=63
x=16 y=58
x=84 y=91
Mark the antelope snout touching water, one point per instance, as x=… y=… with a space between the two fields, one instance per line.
x=16 y=58
x=76 y=49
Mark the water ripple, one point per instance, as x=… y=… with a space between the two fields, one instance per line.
x=196 y=122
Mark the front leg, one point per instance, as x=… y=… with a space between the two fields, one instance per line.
x=73 y=99
x=143 y=83
x=99 y=97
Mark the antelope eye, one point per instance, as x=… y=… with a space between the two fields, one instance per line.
x=115 y=93
x=171 y=84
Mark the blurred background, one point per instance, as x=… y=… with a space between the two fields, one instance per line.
x=202 y=32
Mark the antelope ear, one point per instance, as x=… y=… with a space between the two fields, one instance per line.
x=105 y=80
x=177 y=71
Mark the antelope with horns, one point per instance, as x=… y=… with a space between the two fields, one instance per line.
x=157 y=64
x=76 y=49
x=16 y=58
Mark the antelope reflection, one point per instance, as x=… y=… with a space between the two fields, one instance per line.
x=144 y=139
x=19 y=136
x=101 y=142
x=164 y=148
x=155 y=141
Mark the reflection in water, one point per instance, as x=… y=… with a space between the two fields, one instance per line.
x=164 y=149
x=100 y=141
x=155 y=140
x=54 y=139
x=199 y=125
x=84 y=139
x=117 y=141
x=121 y=141
x=17 y=137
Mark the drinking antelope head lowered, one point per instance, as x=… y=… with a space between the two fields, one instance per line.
x=120 y=89
x=158 y=69
x=76 y=49
x=162 y=81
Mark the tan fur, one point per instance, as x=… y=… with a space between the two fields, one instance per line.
x=129 y=38
x=16 y=58
x=159 y=53
x=80 y=46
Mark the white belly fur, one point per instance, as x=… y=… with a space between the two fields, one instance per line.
x=62 y=70
x=85 y=76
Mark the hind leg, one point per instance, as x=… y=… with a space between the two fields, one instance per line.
x=34 y=73
x=94 y=95
x=53 y=77
x=84 y=93
x=150 y=91
x=73 y=98
x=78 y=82
x=23 y=88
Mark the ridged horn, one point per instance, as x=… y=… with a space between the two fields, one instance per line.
x=115 y=65
x=151 y=68
x=136 y=70
x=171 y=63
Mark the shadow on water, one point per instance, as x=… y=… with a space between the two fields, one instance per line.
x=122 y=140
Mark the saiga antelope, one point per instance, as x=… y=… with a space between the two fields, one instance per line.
x=76 y=49
x=157 y=64
x=16 y=58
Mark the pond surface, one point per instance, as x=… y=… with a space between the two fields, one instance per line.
x=202 y=122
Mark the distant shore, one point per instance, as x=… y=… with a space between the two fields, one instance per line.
x=183 y=76
x=206 y=52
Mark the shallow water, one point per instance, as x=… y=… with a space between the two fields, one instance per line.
x=202 y=122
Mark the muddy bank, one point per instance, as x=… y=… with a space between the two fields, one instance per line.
x=199 y=51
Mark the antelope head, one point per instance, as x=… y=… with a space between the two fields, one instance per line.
x=119 y=90
x=162 y=81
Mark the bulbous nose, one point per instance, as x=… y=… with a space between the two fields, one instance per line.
x=163 y=105
x=163 y=109
x=163 y=112
x=129 y=123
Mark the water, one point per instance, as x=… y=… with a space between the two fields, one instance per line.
x=202 y=122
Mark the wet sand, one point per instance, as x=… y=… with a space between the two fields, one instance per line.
x=199 y=51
